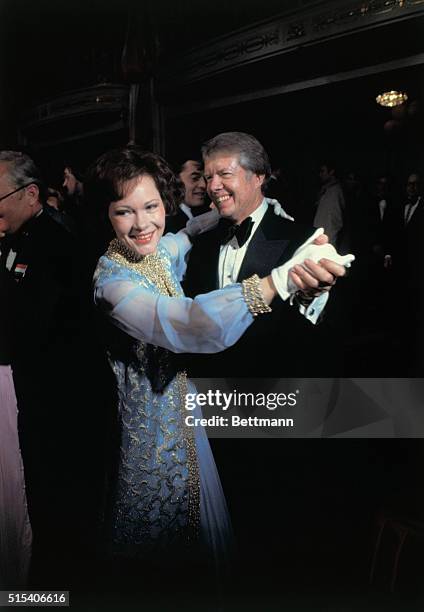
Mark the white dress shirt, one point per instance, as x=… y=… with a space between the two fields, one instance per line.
x=186 y=210
x=231 y=255
x=410 y=209
x=382 y=205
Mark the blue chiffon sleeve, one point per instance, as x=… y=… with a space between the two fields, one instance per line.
x=208 y=324
x=178 y=247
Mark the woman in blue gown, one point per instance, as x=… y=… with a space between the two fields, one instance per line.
x=166 y=495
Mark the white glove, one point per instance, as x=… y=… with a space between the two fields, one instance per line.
x=278 y=209
x=202 y=223
x=307 y=250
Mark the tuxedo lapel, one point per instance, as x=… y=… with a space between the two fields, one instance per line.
x=261 y=256
x=268 y=247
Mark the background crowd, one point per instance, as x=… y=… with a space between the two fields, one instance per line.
x=371 y=326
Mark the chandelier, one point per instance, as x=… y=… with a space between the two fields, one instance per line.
x=391 y=98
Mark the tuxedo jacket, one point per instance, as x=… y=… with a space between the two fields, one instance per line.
x=405 y=245
x=382 y=229
x=412 y=260
x=275 y=344
x=413 y=235
x=45 y=281
x=51 y=350
x=174 y=223
x=60 y=405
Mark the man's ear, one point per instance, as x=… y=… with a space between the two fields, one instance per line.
x=33 y=192
x=260 y=178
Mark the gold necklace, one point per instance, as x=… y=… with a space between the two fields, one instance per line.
x=151 y=266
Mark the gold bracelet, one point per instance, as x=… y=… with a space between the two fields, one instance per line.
x=253 y=296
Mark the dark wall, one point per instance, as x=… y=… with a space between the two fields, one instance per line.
x=299 y=130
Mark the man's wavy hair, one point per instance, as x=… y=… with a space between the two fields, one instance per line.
x=114 y=174
x=252 y=156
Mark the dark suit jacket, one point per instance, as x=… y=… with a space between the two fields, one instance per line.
x=413 y=237
x=56 y=373
x=276 y=343
x=174 y=223
x=405 y=244
x=45 y=283
x=407 y=283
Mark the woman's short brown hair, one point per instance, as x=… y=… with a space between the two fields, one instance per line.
x=108 y=178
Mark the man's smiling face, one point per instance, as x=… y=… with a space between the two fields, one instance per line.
x=236 y=192
x=194 y=183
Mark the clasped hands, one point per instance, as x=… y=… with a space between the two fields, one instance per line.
x=313 y=269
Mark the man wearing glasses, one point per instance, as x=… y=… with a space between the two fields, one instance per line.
x=33 y=246
x=12 y=216
x=39 y=260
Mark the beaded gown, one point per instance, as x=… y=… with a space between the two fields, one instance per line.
x=167 y=491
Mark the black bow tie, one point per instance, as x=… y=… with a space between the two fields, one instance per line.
x=242 y=232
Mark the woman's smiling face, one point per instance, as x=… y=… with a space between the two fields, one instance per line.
x=139 y=218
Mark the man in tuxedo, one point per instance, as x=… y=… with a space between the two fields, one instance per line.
x=41 y=262
x=252 y=239
x=190 y=173
x=39 y=255
x=407 y=260
x=413 y=217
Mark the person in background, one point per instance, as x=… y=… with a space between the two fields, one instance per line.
x=405 y=256
x=72 y=182
x=74 y=203
x=55 y=208
x=330 y=210
x=41 y=260
x=190 y=173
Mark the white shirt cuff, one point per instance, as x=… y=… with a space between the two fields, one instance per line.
x=313 y=311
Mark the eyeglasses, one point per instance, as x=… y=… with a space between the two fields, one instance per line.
x=14 y=191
